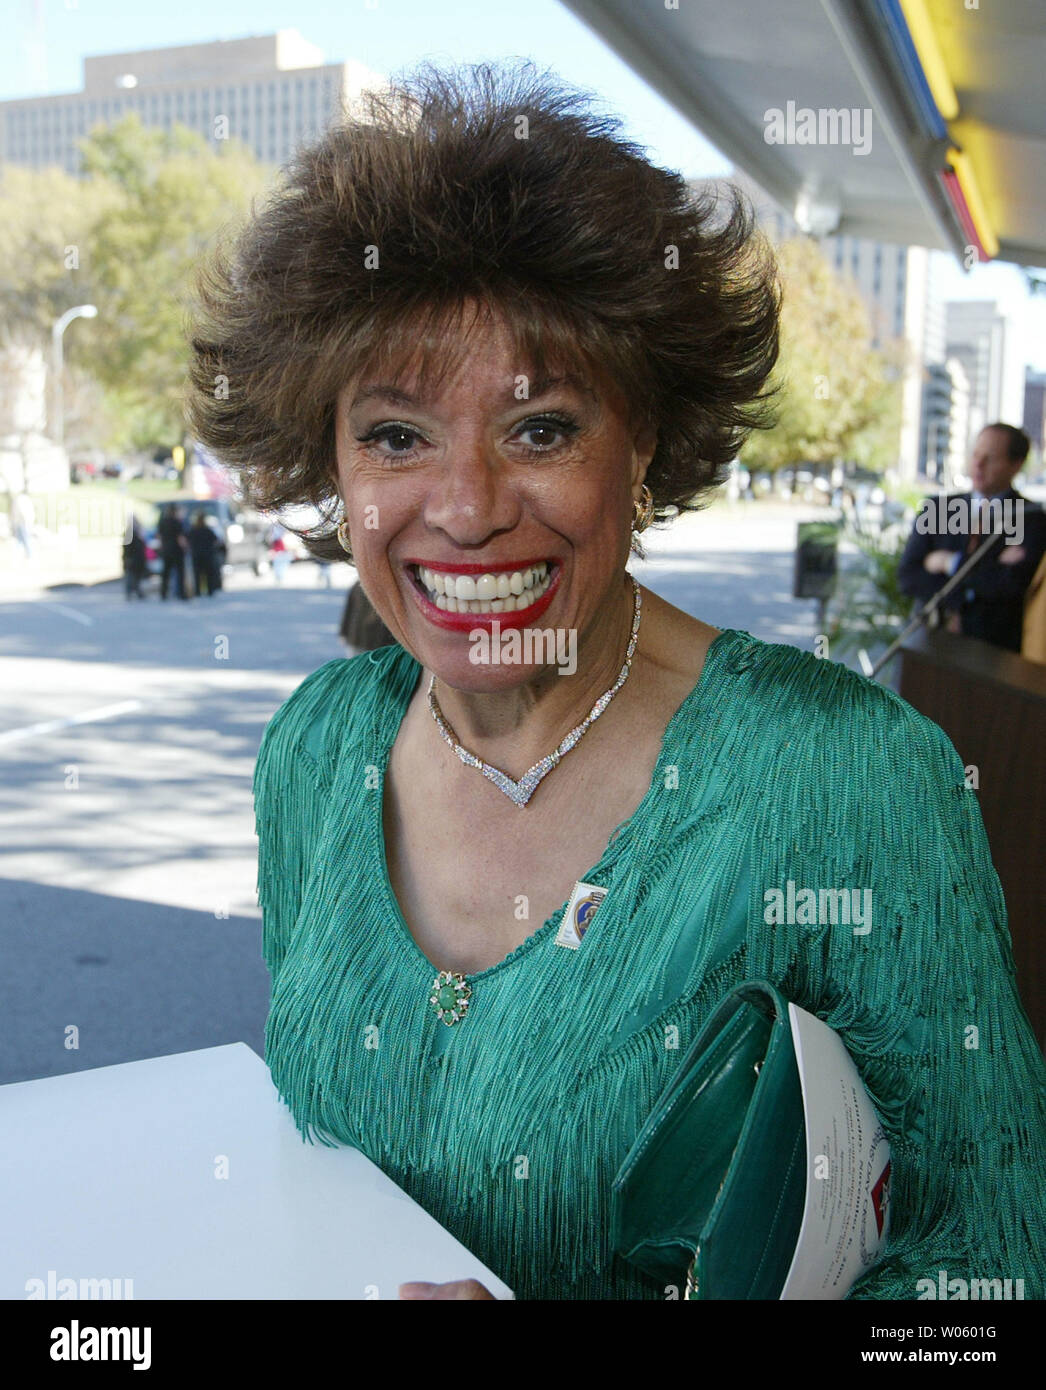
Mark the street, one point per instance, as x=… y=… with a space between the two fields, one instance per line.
x=128 y=918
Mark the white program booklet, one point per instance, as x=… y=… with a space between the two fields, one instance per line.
x=185 y=1177
x=846 y=1217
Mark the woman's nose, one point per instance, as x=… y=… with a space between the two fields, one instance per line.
x=473 y=496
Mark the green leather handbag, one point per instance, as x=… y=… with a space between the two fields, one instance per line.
x=711 y=1197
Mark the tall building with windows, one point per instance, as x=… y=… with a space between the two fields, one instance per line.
x=900 y=286
x=945 y=422
x=274 y=92
x=1034 y=423
x=984 y=339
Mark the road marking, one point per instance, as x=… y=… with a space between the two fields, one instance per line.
x=53 y=725
x=71 y=613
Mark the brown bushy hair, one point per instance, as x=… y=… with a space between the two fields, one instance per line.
x=497 y=185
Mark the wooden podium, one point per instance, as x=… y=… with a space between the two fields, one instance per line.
x=992 y=705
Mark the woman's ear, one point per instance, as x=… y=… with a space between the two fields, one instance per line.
x=644 y=444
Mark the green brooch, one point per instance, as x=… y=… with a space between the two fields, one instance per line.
x=450 y=996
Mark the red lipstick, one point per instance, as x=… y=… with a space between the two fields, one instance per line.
x=491 y=567
x=467 y=622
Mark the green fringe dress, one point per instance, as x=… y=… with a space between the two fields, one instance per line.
x=510 y=1125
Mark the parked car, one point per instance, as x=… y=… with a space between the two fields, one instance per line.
x=85 y=465
x=243 y=534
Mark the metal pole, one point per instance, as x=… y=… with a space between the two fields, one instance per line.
x=932 y=604
x=58 y=403
x=87 y=311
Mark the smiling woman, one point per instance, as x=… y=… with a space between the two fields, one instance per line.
x=492 y=342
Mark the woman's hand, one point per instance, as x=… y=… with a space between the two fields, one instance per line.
x=457 y=1288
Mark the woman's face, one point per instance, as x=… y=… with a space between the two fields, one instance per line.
x=481 y=489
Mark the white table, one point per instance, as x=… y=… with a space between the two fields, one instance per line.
x=111 y=1174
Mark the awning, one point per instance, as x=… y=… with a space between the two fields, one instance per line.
x=921 y=122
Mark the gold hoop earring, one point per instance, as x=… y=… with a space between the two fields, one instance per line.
x=643 y=511
x=343 y=538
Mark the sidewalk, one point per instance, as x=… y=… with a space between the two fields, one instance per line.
x=732 y=566
x=56 y=562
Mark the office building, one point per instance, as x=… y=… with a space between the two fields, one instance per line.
x=273 y=92
x=1034 y=416
x=984 y=339
x=900 y=287
x=945 y=422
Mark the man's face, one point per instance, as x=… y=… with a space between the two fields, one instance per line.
x=991 y=470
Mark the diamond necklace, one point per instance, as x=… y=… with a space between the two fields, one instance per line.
x=520 y=792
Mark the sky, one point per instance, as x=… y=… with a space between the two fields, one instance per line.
x=52 y=37
x=46 y=41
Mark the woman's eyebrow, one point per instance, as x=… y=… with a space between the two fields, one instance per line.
x=395 y=395
x=549 y=383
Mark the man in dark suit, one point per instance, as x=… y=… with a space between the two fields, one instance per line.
x=173 y=548
x=989 y=603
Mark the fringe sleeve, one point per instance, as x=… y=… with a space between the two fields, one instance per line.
x=291 y=781
x=864 y=792
x=972 y=1200
x=928 y=1004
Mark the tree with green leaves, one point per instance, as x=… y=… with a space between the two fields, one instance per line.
x=174 y=193
x=124 y=237
x=838 y=397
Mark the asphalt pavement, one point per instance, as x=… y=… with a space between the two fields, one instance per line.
x=129 y=926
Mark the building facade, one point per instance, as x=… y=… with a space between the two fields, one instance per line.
x=1034 y=418
x=984 y=339
x=945 y=422
x=900 y=289
x=273 y=92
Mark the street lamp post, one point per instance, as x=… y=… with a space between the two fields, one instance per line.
x=82 y=311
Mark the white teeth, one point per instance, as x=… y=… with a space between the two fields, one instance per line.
x=485 y=593
x=479 y=593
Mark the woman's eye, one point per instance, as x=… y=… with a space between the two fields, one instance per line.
x=399 y=439
x=545 y=434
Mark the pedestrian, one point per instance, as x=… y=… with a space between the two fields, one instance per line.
x=281 y=556
x=989 y=605
x=173 y=548
x=204 y=547
x=361 y=629
x=134 y=567
x=23 y=518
